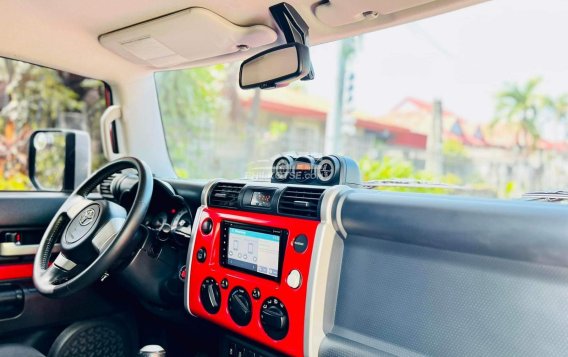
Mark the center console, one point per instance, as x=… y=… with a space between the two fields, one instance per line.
x=249 y=263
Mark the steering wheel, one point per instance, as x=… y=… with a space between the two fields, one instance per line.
x=94 y=233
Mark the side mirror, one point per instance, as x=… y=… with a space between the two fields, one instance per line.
x=275 y=67
x=58 y=160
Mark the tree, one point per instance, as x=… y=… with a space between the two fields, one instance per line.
x=37 y=95
x=558 y=108
x=190 y=101
x=33 y=97
x=520 y=105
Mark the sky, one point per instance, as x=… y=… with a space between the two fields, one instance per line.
x=463 y=58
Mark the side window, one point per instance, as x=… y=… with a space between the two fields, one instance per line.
x=34 y=97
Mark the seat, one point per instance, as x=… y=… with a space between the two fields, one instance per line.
x=15 y=350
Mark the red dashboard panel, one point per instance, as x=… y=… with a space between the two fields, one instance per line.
x=293 y=299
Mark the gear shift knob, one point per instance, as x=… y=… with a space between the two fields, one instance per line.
x=152 y=351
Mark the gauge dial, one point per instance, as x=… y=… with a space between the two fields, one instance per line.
x=181 y=223
x=159 y=220
x=281 y=168
x=325 y=170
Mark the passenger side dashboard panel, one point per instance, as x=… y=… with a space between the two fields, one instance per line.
x=429 y=275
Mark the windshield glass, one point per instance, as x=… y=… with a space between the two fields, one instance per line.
x=477 y=98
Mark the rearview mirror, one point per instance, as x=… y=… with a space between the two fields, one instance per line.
x=58 y=160
x=275 y=67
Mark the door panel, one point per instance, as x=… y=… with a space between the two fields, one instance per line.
x=40 y=312
x=28 y=209
x=23 y=219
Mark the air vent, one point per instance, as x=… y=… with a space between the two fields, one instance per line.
x=300 y=202
x=225 y=194
x=105 y=187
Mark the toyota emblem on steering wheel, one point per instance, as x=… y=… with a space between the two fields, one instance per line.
x=87 y=217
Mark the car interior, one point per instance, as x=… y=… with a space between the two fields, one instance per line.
x=134 y=259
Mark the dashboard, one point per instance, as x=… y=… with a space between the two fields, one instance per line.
x=242 y=258
x=303 y=268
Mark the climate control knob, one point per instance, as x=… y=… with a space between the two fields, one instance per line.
x=274 y=318
x=240 y=306
x=210 y=295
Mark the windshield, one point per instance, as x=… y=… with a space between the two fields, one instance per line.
x=477 y=98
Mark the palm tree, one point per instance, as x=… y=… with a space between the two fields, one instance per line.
x=558 y=108
x=520 y=104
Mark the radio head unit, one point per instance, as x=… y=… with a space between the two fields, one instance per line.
x=253 y=249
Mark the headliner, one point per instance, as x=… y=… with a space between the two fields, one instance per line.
x=63 y=34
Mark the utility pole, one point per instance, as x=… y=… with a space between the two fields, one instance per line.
x=251 y=128
x=335 y=117
x=434 y=162
x=348 y=122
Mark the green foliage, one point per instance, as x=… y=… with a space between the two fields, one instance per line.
x=385 y=169
x=454 y=148
x=37 y=95
x=277 y=128
x=181 y=172
x=525 y=107
x=389 y=168
x=520 y=105
x=50 y=160
x=189 y=93
x=558 y=107
x=190 y=101
x=15 y=182
x=40 y=97
x=510 y=188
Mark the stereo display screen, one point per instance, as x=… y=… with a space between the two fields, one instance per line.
x=254 y=251
x=257 y=250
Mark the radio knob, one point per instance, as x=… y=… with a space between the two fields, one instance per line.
x=210 y=295
x=274 y=318
x=240 y=306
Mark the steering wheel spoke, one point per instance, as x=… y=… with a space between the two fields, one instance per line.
x=64 y=263
x=75 y=205
x=107 y=233
x=58 y=272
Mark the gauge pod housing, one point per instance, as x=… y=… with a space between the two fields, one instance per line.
x=327 y=170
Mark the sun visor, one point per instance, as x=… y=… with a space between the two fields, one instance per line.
x=183 y=37
x=340 y=12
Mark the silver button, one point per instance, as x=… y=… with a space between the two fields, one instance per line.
x=294 y=279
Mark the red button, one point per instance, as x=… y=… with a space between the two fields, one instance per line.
x=182 y=273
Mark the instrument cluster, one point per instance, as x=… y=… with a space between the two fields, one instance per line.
x=313 y=170
x=168 y=217
x=171 y=223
